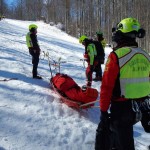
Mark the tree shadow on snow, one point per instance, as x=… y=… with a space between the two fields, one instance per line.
x=1 y=148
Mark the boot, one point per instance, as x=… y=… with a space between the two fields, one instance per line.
x=89 y=83
x=97 y=79
x=34 y=72
x=37 y=77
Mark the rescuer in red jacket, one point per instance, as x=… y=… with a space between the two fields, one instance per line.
x=125 y=89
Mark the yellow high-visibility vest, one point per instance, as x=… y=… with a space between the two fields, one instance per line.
x=134 y=66
x=92 y=53
x=28 y=40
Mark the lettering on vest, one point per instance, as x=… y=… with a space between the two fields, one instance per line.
x=134 y=72
x=135 y=67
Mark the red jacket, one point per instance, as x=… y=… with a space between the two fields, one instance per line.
x=110 y=88
x=110 y=83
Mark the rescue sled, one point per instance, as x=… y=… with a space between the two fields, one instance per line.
x=71 y=94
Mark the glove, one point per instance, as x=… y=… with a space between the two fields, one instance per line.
x=91 y=68
x=104 y=116
x=104 y=120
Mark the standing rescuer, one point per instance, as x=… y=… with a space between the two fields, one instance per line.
x=34 y=49
x=101 y=39
x=89 y=55
x=126 y=85
x=100 y=44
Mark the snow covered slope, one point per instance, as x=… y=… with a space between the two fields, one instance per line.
x=31 y=114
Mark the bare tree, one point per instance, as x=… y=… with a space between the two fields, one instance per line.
x=85 y=16
x=3 y=7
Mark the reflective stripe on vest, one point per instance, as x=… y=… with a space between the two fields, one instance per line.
x=134 y=66
x=28 y=40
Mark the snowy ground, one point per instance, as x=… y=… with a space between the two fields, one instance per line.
x=31 y=114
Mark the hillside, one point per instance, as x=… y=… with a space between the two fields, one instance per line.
x=31 y=114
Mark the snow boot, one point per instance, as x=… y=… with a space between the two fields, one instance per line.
x=89 y=83
x=97 y=79
x=37 y=77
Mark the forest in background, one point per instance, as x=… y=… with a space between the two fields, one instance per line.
x=82 y=16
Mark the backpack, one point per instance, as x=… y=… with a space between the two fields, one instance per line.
x=100 y=51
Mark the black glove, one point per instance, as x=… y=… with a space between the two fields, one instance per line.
x=104 y=116
x=104 y=120
x=91 y=68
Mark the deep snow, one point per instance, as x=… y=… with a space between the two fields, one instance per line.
x=31 y=114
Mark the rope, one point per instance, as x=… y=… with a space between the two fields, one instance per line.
x=88 y=103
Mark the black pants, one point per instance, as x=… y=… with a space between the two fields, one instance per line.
x=103 y=136
x=120 y=132
x=122 y=119
x=35 y=61
x=98 y=69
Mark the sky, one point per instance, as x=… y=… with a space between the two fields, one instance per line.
x=31 y=113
